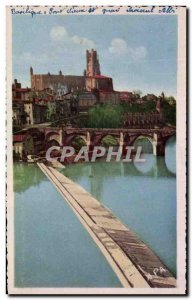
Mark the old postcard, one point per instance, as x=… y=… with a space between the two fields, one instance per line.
x=96 y=150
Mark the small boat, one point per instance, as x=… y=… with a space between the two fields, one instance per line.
x=32 y=158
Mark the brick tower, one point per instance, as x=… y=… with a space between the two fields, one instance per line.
x=93 y=67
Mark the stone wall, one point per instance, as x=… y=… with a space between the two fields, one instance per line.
x=44 y=81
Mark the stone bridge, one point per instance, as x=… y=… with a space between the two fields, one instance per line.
x=93 y=136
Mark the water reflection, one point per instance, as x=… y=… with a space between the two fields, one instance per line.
x=153 y=166
x=145 y=143
x=52 y=248
x=142 y=195
x=170 y=154
x=26 y=176
x=96 y=174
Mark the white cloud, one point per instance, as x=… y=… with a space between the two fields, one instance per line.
x=60 y=34
x=57 y=33
x=119 y=46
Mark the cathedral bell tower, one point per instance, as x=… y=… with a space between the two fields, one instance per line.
x=93 y=67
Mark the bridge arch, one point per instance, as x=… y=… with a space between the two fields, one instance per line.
x=126 y=137
x=36 y=134
x=52 y=142
x=52 y=139
x=69 y=140
x=98 y=139
x=170 y=138
x=170 y=154
x=78 y=141
x=140 y=140
x=109 y=140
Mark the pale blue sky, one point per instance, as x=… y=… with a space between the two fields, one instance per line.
x=138 y=51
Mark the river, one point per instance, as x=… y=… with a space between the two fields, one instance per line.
x=52 y=249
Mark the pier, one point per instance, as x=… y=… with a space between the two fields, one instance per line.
x=134 y=263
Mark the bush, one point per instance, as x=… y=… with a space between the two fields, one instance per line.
x=77 y=143
x=109 y=141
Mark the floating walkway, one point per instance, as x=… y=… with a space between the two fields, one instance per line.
x=133 y=262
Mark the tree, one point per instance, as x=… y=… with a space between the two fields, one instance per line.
x=169 y=110
x=105 y=116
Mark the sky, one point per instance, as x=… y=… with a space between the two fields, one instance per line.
x=138 y=51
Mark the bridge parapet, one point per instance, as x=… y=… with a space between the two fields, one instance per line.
x=93 y=136
x=125 y=137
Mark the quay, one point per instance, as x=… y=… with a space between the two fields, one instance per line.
x=133 y=262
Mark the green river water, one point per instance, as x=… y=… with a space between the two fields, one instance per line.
x=52 y=248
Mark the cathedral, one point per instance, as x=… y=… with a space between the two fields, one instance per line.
x=90 y=81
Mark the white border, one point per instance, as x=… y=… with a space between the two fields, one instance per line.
x=180 y=153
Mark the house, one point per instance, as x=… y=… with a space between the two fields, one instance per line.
x=19 y=93
x=125 y=97
x=22 y=145
x=86 y=100
x=108 y=97
x=19 y=115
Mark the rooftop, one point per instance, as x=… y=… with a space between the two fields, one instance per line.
x=19 y=137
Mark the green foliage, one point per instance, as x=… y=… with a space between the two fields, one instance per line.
x=105 y=116
x=169 y=110
x=109 y=140
x=111 y=116
x=77 y=143
x=145 y=107
x=51 y=111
